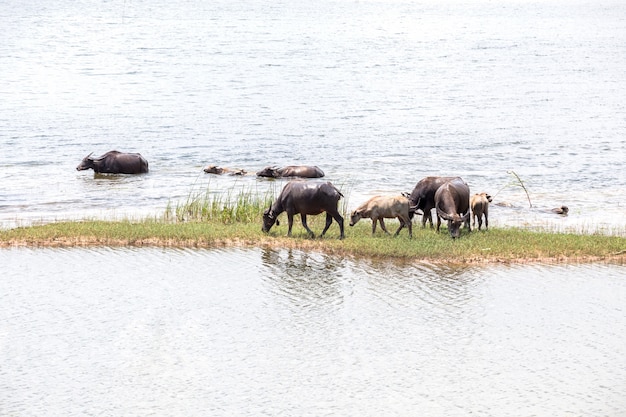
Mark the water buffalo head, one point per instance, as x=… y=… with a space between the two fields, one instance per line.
x=455 y=222
x=86 y=163
x=355 y=216
x=214 y=169
x=269 y=218
x=488 y=197
x=271 y=172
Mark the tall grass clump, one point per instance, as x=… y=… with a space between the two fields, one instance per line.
x=244 y=205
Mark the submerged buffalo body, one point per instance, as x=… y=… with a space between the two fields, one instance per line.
x=214 y=169
x=423 y=197
x=452 y=201
x=304 y=198
x=115 y=162
x=303 y=171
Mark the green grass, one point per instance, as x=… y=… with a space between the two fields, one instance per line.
x=206 y=220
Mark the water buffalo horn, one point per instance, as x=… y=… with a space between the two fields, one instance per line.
x=443 y=214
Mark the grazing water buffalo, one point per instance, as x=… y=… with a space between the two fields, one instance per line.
x=423 y=197
x=452 y=204
x=379 y=207
x=115 y=162
x=214 y=169
x=302 y=197
x=303 y=171
x=480 y=207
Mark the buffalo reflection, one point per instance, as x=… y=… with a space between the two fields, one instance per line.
x=314 y=279
x=305 y=278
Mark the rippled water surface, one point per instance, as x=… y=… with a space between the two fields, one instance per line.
x=377 y=93
x=272 y=332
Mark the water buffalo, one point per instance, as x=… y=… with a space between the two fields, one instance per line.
x=214 y=169
x=423 y=197
x=480 y=207
x=303 y=171
x=563 y=210
x=302 y=197
x=452 y=204
x=379 y=207
x=115 y=162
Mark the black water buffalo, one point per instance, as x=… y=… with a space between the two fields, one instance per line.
x=303 y=197
x=563 y=210
x=423 y=197
x=115 y=162
x=452 y=201
x=303 y=171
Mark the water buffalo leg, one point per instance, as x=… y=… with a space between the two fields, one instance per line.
x=303 y=217
x=403 y=223
x=290 y=223
x=428 y=215
x=382 y=225
x=329 y=221
x=339 y=220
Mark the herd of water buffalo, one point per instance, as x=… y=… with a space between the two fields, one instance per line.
x=450 y=196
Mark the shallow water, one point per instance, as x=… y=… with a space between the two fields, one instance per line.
x=379 y=94
x=270 y=332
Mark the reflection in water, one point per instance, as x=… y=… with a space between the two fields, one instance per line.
x=437 y=285
x=306 y=279
x=269 y=332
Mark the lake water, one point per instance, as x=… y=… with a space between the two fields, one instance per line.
x=284 y=332
x=379 y=94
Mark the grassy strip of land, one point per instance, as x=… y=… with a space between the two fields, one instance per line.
x=495 y=245
x=207 y=220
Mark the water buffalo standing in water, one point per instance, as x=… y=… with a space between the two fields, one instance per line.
x=302 y=197
x=452 y=201
x=115 y=162
x=423 y=197
x=303 y=171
